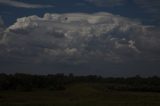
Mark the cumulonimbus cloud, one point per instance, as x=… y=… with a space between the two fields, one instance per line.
x=19 y=4
x=79 y=38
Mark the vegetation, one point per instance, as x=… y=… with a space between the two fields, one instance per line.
x=26 y=82
x=69 y=90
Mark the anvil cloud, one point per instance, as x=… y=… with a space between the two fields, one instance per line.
x=79 y=38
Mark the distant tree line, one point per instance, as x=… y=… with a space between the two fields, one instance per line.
x=27 y=82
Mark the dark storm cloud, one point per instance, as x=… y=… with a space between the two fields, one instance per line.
x=77 y=38
x=2 y=28
x=19 y=4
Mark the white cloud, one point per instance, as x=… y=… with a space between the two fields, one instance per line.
x=19 y=4
x=78 y=37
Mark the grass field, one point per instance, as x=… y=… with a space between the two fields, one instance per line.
x=79 y=95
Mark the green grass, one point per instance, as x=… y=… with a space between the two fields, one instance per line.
x=79 y=95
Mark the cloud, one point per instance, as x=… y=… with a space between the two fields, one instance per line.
x=76 y=38
x=19 y=4
x=107 y=3
x=2 y=27
x=1 y=21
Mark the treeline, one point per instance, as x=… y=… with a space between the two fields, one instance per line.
x=27 y=82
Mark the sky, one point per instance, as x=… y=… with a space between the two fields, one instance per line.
x=102 y=37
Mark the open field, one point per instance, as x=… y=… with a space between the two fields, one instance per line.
x=79 y=95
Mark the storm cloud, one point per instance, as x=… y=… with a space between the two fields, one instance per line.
x=77 y=38
x=2 y=28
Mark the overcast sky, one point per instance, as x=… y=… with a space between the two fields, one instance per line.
x=103 y=37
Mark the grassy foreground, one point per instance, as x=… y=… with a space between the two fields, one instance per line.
x=79 y=95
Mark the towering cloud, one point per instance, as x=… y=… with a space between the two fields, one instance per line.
x=79 y=38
